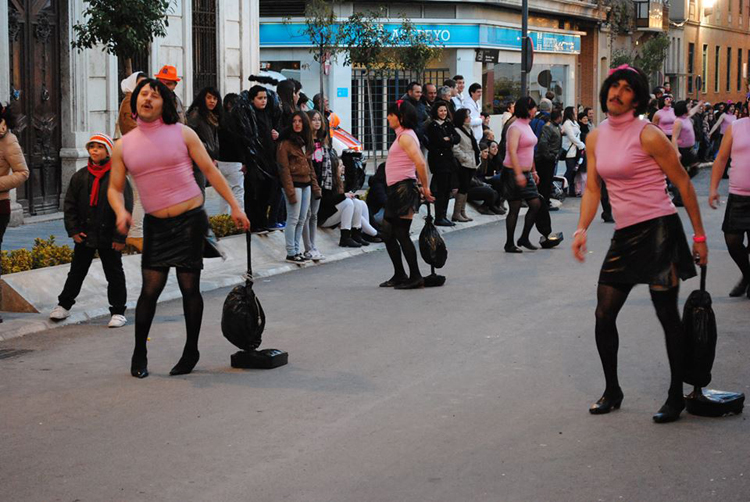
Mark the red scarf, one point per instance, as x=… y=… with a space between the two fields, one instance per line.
x=98 y=172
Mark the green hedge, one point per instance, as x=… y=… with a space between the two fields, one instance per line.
x=45 y=253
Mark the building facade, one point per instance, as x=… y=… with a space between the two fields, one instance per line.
x=481 y=41
x=715 y=51
x=62 y=96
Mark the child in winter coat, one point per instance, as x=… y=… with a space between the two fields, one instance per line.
x=90 y=221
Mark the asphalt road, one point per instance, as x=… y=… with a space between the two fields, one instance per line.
x=477 y=391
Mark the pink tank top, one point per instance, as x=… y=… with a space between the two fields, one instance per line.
x=526 y=144
x=739 y=175
x=728 y=120
x=636 y=184
x=398 y=165
x=156 y=155
x=666 y=120
x=687 y=133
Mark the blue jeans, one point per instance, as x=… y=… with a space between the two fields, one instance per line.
x=296 y=214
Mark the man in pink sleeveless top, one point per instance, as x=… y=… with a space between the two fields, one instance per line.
x=649 y=244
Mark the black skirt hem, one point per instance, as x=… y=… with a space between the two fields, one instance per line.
x=737 y=214
x=178 y=241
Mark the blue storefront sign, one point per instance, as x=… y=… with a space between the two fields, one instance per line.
x=474 y=36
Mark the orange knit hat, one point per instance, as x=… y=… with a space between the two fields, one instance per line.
x=102 y=139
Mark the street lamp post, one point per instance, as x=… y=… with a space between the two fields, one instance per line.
x=524 y=47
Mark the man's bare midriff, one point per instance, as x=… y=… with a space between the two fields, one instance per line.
x=178 y=209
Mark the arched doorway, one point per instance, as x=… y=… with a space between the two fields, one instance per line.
x=33 y=30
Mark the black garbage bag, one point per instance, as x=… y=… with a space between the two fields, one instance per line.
x=714 y=403
x=242 y=318
x=431 y=244
x=699 y=322
x=354 y=170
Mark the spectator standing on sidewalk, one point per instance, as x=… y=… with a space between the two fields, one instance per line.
x=725 y=119
x=231 y=157
x=90 y=221
x=458 y=96
x=545 y=159
x=474 y=104
x=414 y=97
x=125 y=120
x=297 y=180
x=466 y=153
x=322 y=158
x=13 y=169
x=572 y=146
x=168 y=76
x=441 y=136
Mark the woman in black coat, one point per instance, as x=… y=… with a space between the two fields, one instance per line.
x=441 y=136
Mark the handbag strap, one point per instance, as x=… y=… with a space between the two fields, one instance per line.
x=703 y=277
x=248 y=243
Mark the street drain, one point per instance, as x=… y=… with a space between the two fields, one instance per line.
x=8 y=353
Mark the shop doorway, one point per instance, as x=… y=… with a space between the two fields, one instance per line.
x=34 y=39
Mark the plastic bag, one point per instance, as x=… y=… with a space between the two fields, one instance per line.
x=242 y=318
x=354 y=170
x=431 y=245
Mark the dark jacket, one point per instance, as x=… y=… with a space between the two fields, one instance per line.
x=295 y=169
x=440 y=151
x=97 y=222
x=207 y=132
x=377 y=195
x=550 y=142
x=422 y=117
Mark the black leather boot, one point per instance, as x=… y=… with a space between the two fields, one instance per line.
x=357 y=237
x=346 y=240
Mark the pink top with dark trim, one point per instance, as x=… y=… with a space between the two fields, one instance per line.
x=739 y=175
x=398 y=165
x=156 y=155
x=636 y=184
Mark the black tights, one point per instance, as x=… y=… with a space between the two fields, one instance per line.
x=154 y=281
x=738 y=252
x=398 y=242
x=610 y=299
x=512 y=219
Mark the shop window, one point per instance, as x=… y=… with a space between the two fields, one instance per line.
x=542 y=79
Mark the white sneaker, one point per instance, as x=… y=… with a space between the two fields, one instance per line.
x=308 y=255
x=117 y=321
x=59 y=313
x=317 y=255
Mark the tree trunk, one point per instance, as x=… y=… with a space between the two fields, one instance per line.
x=322 y=91
x=372 y=117
x=128 y=66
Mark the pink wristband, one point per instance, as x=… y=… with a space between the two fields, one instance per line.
x=699 y=239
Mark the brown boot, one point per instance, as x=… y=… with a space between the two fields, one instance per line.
x=458 y=204
x=463 y=209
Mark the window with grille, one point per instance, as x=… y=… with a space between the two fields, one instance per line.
x=690 y=67
x=704 y=69
x=739 y=69
x=282 y=8
x=205 y=51
x=386 y=87
x=717 y=55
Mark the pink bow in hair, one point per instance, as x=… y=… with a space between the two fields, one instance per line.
x=622 y=67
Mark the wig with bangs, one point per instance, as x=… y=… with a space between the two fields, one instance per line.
x=637 y=81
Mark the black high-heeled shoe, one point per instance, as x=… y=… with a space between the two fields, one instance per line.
x=510 y=248
x=606 y=403
x=739 y=289
x=139 y=367
x=186 y=364
x=527 y=244
x=670 y=412
x=393 y=282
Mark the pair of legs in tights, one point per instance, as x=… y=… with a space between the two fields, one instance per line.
x=399 y=242
x=154 y=281
x=610 y=300
x=512 y=219
x=738 y=252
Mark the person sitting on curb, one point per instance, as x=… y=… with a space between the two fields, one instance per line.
x=337 y=207
x=90 y=221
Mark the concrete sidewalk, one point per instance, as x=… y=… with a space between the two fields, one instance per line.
x=39 y=288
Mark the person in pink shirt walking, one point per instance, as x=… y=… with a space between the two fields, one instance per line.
x=735 y=143
x=649 y=244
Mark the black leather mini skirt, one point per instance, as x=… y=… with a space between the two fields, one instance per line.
x=403 y=199
x=515 y=192
x=179 y=241
x=646 y=253
x=737 y=215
